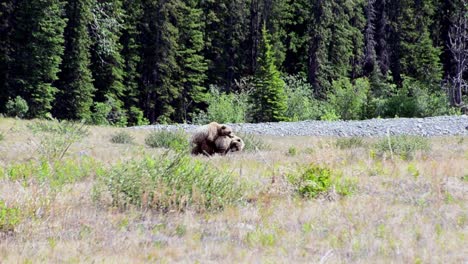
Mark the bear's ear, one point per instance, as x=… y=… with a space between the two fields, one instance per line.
x=223 y=127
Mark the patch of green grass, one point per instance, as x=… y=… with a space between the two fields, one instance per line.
x=10 y=217
x=404 y=147
x=177 y=141
x=312 y=180
x=348 y=143
x=122 y=137
x=55 y=174
x=292 y=151
x=170 y=182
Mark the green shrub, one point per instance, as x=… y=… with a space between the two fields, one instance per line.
x=348 y=100
x=55 y=174
x=177 y=141
x=110 y=112
x=348 y=143
x=253 y=142
x=312 y=180
x=56 y=137
x=301 y=105
x=17 y=107
x=169 y=182
x=122 y=137
x=223 y=108
x=10 y=217
x=292 y=151
x=402 y=146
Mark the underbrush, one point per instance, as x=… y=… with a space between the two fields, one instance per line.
x=349 y=143
x=311 y=181
x=54 y=174
x=122 y=137
x=170 y=182
x=404 y=147
x=177 y=141
x=10 y=217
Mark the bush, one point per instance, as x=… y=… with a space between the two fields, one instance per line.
x=223 y=108
x=312 y=181
x=177 y=141
x=56 y=137
x=10 y=217
x=352 y=142
x=136 y=117
x=169 y=182
x=17 y=107
x=300 y=101
x=253 y=142
x=55 y=174
x=349 y=100
x=402 y=146
x=122 y=137
x=109 y=113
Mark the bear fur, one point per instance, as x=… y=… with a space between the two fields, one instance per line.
x=226 y=144
x=204 y=138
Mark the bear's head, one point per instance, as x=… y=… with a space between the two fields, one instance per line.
x=224 y=131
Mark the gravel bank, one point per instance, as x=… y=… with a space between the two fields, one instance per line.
x=430 y=126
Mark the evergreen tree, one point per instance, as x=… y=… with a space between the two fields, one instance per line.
x=75 y=96
x=192 y=63
x=131 y=53
x=37 y=53
x=159 y=65
x=268 y=97
x=6 y=26
x=107 y=62
x=226 y=36
x=420 y=59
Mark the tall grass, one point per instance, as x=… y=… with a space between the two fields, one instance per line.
x=170 y=182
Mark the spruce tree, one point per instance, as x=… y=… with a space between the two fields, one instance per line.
x=159 y=65
x=38 y=50
x=131 y=53
x=75 y=96
x=268 y=97
x=6 y=27
x=107 y=62
x=192 y=63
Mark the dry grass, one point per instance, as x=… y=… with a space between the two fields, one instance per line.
x=403 y=211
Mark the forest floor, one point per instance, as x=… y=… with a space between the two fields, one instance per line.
x=395 y=209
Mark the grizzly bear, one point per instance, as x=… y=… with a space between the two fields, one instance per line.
x=226 y=144
x=203 y=140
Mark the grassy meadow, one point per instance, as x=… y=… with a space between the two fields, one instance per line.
x=71 y=193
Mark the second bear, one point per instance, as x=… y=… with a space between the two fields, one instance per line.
x=204 y=138
x=226 y=144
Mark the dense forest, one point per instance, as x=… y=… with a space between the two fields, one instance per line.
x=128 y=62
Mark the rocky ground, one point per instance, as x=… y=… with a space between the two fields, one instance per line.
x=430 y=126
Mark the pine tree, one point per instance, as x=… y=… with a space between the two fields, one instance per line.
x=192 y=63
x=6 y=27
x=38 y=50
x=159 y=65
x=107 y=62
x=131 y=53
x=420 y=59
x=75 y=96
x=269 y=99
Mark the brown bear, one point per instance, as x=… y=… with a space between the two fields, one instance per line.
x=203 y=140
x=226 y=144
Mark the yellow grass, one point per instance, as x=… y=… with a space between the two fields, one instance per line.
x=403 y=211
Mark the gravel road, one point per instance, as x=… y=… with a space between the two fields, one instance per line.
x=430 y=126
